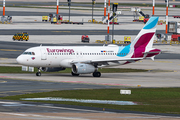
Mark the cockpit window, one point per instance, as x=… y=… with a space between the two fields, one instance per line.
x=28 y=53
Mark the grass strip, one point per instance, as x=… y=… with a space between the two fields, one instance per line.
x=156 y=100
x=6 y=69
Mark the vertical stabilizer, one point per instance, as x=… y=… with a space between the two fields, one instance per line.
x=144 y=40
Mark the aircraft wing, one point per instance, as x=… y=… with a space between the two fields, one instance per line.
x=115 y=60
x=106 y=60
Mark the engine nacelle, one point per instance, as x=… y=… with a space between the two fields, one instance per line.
x=82 y=68
x=52 y=69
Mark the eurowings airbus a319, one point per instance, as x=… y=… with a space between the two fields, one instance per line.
x=87 y=59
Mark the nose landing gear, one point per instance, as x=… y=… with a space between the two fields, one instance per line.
x=39 y=72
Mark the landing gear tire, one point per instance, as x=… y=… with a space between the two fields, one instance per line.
x=96 y=74
x=73 y=74
x=38 y=74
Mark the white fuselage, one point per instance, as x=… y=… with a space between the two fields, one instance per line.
x=63 y=56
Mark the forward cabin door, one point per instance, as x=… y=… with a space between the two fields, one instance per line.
x=43 y=54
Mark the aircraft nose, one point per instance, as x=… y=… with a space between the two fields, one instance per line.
x=19 y=59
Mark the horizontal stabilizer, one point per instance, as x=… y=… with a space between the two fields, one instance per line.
x=152 y=52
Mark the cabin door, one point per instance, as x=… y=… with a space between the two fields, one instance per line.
x=43 y=54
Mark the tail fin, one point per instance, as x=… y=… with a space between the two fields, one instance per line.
x=144 y=40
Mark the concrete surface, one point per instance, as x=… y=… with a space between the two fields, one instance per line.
x=82 y=116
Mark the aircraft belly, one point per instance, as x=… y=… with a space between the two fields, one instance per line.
x=65 y=63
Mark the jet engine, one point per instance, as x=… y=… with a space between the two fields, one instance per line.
x=83 y=68
x=52 y=69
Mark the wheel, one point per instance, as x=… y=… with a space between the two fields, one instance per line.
x=73 y=74
x=96 y=74
x=38 y=74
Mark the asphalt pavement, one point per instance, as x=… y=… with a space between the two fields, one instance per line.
x=10 y=87
x=71 y=32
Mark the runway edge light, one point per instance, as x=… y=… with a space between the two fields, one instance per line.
x=125 y=92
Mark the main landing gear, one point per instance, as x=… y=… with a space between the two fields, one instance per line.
x=73 y=74
x=96 y=74
x=39 y=72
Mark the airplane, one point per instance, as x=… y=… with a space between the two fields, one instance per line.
x=87 y=59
